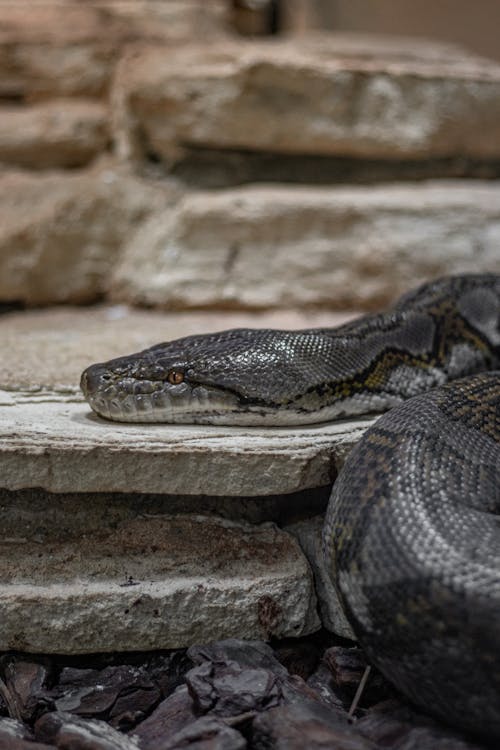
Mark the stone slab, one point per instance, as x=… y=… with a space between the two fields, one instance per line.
x=150 y=583
x=308 y=532
x=61 y=133
x=61 y=232
x=282 y=246
x=57 y=444
x=333 y=94
x=66 y=48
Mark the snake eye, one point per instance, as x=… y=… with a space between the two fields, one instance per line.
x=175 y=377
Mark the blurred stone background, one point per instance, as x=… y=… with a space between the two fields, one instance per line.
x=245 y=155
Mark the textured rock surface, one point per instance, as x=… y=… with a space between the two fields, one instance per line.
x=54 y=443
x=55 y=48
x=169 y=582
x=357 y=96
x=308 y=533
x=60 y=233
x=337 y=247
x=62 y=133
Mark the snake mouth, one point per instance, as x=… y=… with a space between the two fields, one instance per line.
x=124 y=398
x=159 y=406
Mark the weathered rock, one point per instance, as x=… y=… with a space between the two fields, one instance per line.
x=175 y=20
x=369 y=97
x=309 y=535
x=61 y=133
x=357 y=247
x=69 y=732
x=205 y=734
x=169 y=581
x=60 y=234
x=53 y=48
x=56 y=443
x=65 y=48
x=312 y=726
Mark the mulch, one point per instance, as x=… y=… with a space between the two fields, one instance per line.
x=228 y=695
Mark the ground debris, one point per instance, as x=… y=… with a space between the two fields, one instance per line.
x=225 y=695
x=25 y=682
x=69 y=732
x=206 y=734
x=310 y=726
x=123 y=695
x=14 y=735
x=227 y=689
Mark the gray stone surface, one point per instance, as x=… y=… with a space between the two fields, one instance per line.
x=61 y=133
x=362 y=96
x=56 y=443
x=151 y=582
x=341 y=247
x=60 y=233
x=308 y=533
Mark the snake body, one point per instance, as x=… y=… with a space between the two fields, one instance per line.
x=412 y=531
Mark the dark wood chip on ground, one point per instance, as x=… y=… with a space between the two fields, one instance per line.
x=232 y=694
x=171 y=716
x=253 y=654
x=305 y=726
x=206 y=734
x=68 y=732
x=26 y=683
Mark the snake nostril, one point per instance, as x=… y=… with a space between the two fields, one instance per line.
x=93 y=379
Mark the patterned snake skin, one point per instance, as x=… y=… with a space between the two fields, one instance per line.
x=412 y=532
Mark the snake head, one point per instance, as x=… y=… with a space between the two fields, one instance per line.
x=240 y=376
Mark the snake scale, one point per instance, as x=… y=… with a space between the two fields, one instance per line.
x=412 y=531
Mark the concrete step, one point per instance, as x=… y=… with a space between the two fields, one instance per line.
x=149 y=583
x=369 y=97
x=283 y=246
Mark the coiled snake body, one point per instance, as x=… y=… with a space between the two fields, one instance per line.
x=412 y=531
